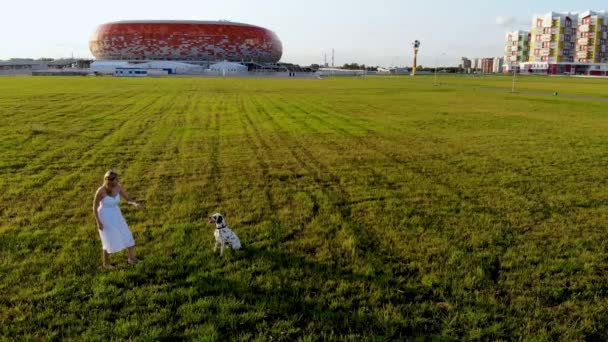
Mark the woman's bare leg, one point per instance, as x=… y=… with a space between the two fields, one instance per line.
x=106 y=259
x=132 y=258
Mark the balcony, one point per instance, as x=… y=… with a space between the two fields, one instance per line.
x=545 y=52
x=545 y=38
x=583 y=54
x=584 y=28
x=583 y=41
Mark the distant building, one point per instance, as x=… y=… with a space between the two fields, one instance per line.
x=26 y=65
x=497 y=68
x=553 y=37
x=561 y=43
x=517 y=49
x=400 y=71
x=592 y=38
x=185 y=40
x=23 y=64
x=465 y=63
x=487 y=65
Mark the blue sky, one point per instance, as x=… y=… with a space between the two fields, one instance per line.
x=370 y=32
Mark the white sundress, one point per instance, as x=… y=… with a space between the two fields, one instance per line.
x=115 y=235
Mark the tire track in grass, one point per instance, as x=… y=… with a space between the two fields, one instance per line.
x=193 y=164
x=154 y=147
x=395 y=158
x=34 y=131
x=258 y=147
x=331 y=188
x=106 y=134
x=382 y=179
x=46 y=114
x=214 y=141
x=509 y=233
x=337 y=129
x=90 y=150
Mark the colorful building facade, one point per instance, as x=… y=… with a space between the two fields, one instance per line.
x=561 y=43
x=592 y=38
x=553 y=37
x=517 y=49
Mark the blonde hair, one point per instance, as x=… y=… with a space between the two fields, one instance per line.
x=110 y=173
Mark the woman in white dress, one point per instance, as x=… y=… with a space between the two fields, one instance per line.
x=113 y=229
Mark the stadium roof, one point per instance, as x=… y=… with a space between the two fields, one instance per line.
x=195 y=22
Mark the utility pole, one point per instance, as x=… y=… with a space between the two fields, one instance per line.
x=332 y=57
x=513 y=87
x=437 y=67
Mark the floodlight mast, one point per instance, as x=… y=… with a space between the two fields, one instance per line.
x=416 y=45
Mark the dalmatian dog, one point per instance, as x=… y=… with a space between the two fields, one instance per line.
x=223 y=234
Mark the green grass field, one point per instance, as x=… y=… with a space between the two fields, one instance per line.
x=369 y=208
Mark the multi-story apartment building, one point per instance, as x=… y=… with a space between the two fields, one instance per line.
x=497 y=67
x=465 y=63
x=517 y=49
x=476 y=64
x=562 y=43
x=553 y=37
x=592 y=38
x=487 y=65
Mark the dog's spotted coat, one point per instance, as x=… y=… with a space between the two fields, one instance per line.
x=223 y=234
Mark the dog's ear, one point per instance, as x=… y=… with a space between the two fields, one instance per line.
x=219 y=219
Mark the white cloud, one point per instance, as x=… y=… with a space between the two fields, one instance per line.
x=506 y=22
x=511 y=23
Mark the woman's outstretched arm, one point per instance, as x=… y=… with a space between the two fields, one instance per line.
x=128 y=198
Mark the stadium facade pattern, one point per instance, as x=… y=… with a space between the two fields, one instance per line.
x=185 y=40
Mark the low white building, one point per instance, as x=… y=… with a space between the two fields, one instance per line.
x=340 y=72
x=171 y=67
x=228 y=67
x=139 y=72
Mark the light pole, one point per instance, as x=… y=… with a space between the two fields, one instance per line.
x=514 y=73
x=416 y=45
x=437 y=66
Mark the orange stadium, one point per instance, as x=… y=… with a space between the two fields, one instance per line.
x=185 y=41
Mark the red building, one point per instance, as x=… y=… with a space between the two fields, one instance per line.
x=185 y=40
x=487 y=65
